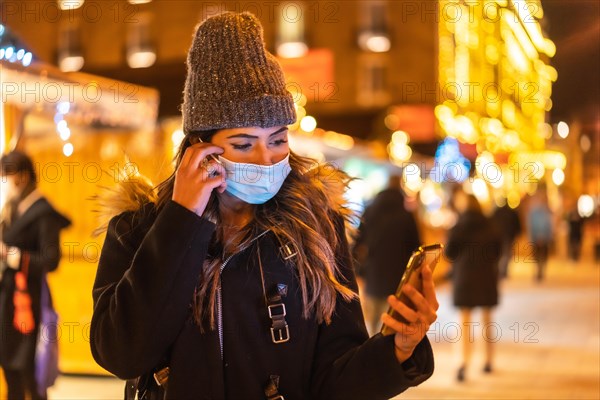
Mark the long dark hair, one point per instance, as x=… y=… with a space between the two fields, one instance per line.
x=299 y=215
x=17 y=162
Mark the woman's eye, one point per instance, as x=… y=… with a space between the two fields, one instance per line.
x=241 y=146
x=279 y=142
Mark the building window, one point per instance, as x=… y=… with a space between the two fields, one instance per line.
x=70 y=55
x=373 y=35
x=373 y=81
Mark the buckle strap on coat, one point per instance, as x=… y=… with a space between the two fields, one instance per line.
x=272 y=389
x=280 y=331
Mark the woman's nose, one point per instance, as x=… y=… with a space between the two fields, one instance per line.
x=264 y=156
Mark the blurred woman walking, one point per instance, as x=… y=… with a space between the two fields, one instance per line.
x=474 y=248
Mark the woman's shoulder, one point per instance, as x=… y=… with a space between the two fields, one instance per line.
x=42 y=208
x=129 y=222
x=331 y=183
x=125 y=205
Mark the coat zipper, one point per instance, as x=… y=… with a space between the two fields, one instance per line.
x=219 y=306
x=219 y=298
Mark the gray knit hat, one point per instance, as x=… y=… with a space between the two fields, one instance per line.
x=232 y=80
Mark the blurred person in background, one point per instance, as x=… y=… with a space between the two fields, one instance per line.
x=540 y=229
x=236 y=281
x=473 y=248
x=29 y=249
x=386 y=237
x=507 y=220
x=575 y=225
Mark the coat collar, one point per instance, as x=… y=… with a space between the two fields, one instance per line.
x=28 y=201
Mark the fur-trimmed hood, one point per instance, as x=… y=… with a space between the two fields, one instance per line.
x=133 y=191
x=129 y=194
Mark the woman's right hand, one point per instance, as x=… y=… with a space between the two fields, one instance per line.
x=196 y=177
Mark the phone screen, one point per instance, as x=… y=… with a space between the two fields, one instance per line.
x=424 y=255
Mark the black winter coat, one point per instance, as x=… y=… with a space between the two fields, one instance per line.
x=473 y=248
x=148 y=270
x=507 y=221
x=35 y=232
x=389 y=234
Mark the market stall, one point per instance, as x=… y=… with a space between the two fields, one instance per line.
x=80 y=130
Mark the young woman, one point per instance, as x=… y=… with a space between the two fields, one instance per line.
x=29 y=244
x=238 y=276
x=474 y=246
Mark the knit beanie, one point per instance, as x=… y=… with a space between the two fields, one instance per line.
x=232 y=80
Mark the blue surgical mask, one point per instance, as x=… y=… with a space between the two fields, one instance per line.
x=253 y=183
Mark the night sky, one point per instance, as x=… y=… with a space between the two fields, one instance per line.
x=574 y=26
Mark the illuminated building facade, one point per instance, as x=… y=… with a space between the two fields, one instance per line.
x=495 y=86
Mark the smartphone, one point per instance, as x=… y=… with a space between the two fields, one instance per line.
x=424 y=255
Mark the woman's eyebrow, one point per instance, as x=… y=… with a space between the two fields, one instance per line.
x=248 y=136
x=242 y=135
x=279 y=131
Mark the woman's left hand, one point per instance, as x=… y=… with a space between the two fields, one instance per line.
x=409 y=335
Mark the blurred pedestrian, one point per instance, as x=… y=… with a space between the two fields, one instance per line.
x=30 y=249
x=575 y=224
x=540 y=228
x=473 y=248
x=386 y=237
x=236 y=282
x=507 y=220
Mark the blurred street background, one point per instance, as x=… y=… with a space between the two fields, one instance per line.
x=500 y=98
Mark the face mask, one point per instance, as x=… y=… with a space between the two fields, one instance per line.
x=253 y=183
